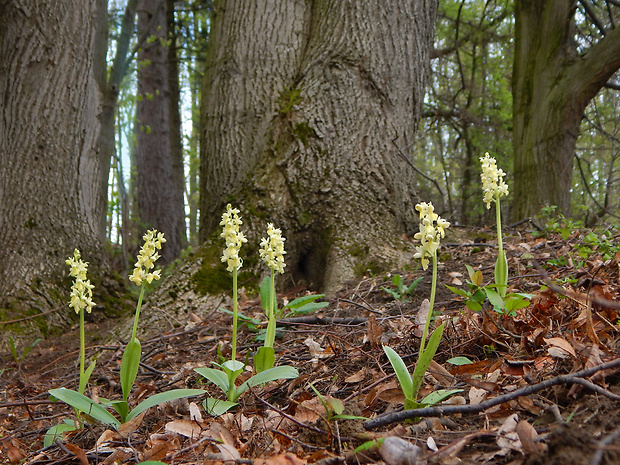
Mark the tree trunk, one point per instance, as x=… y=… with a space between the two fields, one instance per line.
x=552 y=85
x=49 y=164
x=157 y=188
x=301 y=104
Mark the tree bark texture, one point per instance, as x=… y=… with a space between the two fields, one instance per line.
x=552 y=85
x=302 y=101
x=156 y=186
x=49 y=163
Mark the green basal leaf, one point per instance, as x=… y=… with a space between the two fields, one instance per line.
x=86 y=405
x=457 y=291
x=473 y=305
x=216 y=407
x=272 y=374
x=414 y=285
x=495 y=299
x=395 y=294
x=122 y=408
x=304 y=300
x=336 y=405
x=425 y=360
x=265 y=295
x=404 y=378
x=459 y=361
x=55 y=432
x=129 y=366
x=309 y=308
x=436 y=397
x=348 y=417
x=162 y=397
x=501 y=273
x=515 y=302
x=264 y=359
x=217 y=377
x=368 y=445
x=84 y=379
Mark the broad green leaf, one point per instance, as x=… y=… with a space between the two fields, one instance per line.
x=309 y=308
x=393 y=293
x=404 y=378
x=369 y=445
x=457 y=291
x=501 y=273
x=273 y=374
x=217 y=377
x=56 y=432
x=414 y=285
x=129 y=366
x=304 y=300
x=122 y=408
x=459 y=361
x=425 y=360
x=84 y=379
x=216 y=407
x=348 y=417
x=264 y=359
x=495 y=299
x=336 y=405
x=515 y=302
x=162 y=397
x=436 y=397
x=86 y=405
x=473 y=305
x=265 y=295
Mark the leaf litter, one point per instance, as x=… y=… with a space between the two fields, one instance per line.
x=570 y=326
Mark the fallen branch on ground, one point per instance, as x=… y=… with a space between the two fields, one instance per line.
x=573 y=378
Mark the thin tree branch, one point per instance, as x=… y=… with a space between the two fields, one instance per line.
x=393 y=417
x=592 y=15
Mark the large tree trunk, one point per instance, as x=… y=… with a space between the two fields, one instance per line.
x=552 y=85
x=157 y=189
x=49 y=164
x=301 y=104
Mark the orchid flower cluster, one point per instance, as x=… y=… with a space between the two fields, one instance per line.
x=272 y=252
x=81 y=299
x=494 y=187
x=82 y=289
x=432 y=230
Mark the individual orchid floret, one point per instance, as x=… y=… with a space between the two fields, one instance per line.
x=492 y=183
x=233 y=236
x=82 y=289
x=432 y=230
x=146 y=258
x=272 y=249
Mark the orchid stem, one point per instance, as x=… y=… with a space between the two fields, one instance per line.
x=235 y=316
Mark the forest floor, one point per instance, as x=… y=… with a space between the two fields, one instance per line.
x=563 y=416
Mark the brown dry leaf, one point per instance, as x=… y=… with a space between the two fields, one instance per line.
x=507 y=437
x=187 y=428
x=374 y=332
x=228 y=453
x=14 y=452
x=281 y=459
x=421 y=317
x=443 y=376
x=309 y=411
x=219 y=432
x=118 y=456
x=477 y=395
x=528 y=437
x=78 y=452
x=357 y=377
x=194 y=412
x=158 y=451
x=131 y=426
x=560 y=347
x=397 y=451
